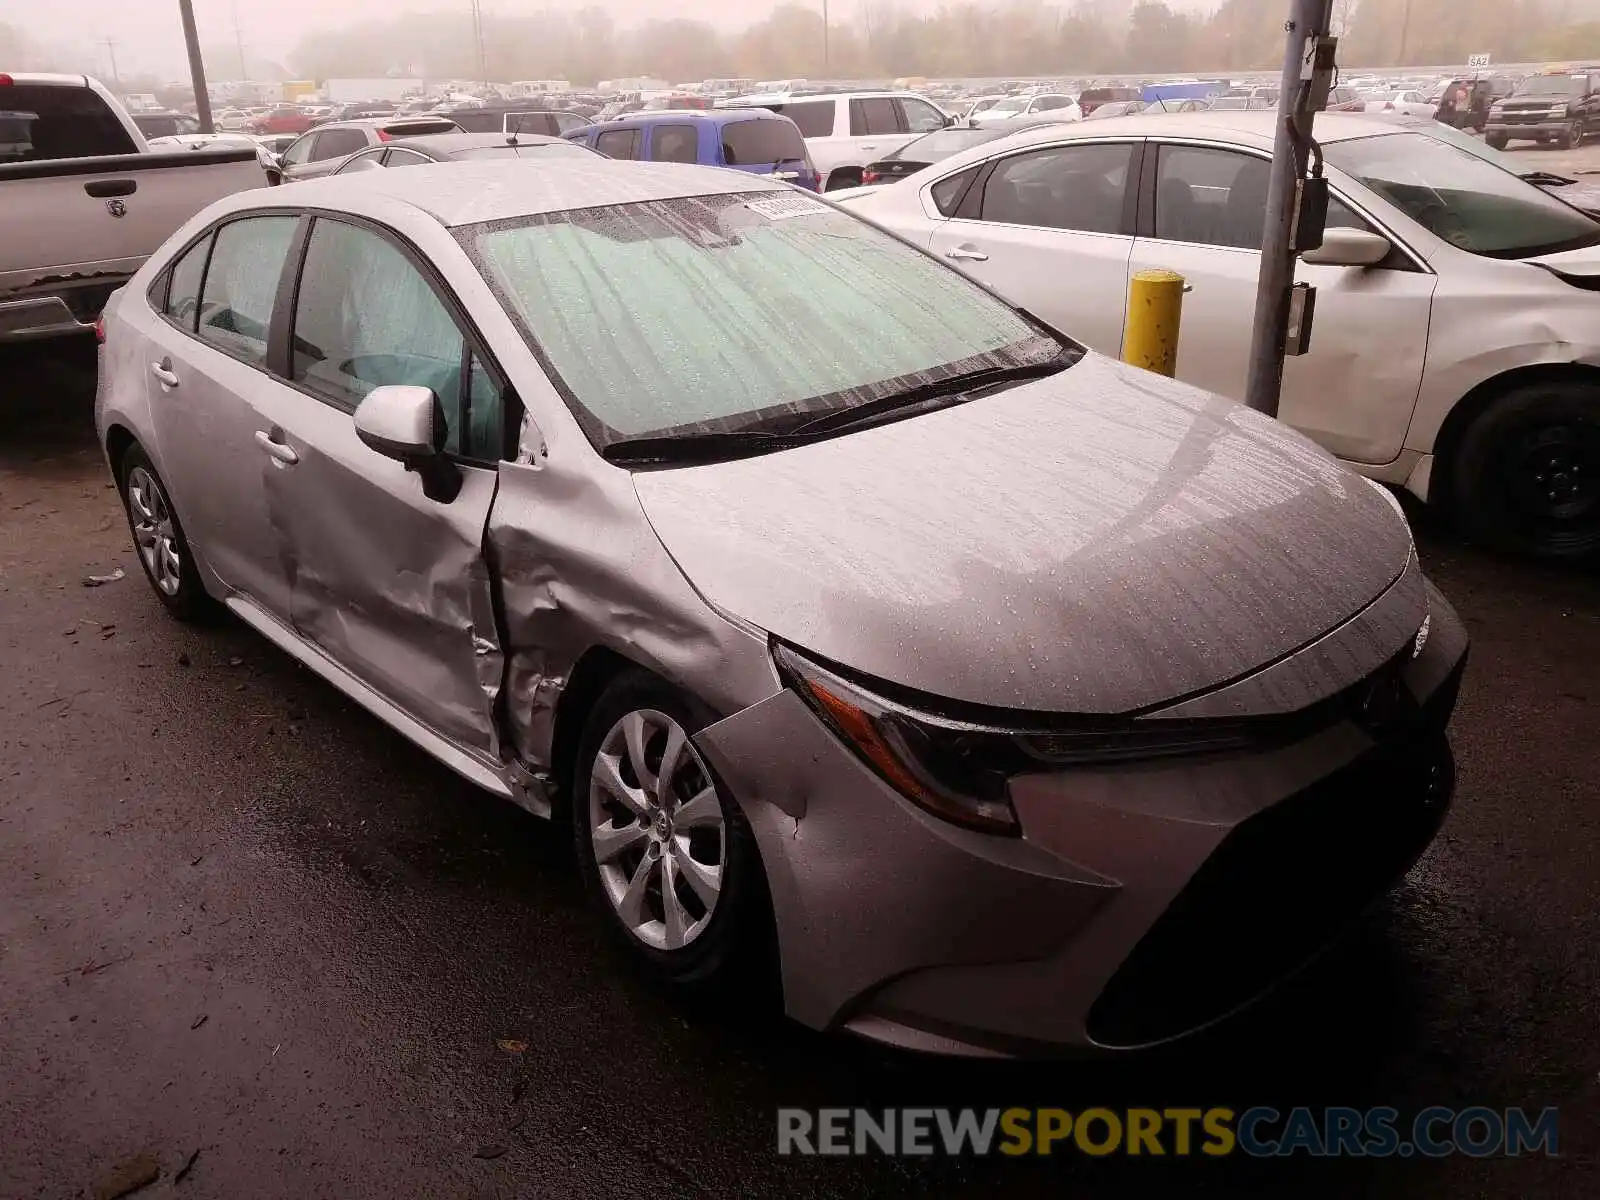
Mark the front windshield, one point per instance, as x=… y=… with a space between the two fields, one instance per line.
x=716 y=314
x=1011 y=104
x=1551 y=85
x=1459 y=197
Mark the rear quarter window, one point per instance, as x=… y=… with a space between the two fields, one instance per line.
x=813 y=117
x=40 y=122
x=758 y=142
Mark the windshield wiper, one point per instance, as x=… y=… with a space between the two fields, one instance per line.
x=952 y=390
x=1547 y=179
x=695 y=447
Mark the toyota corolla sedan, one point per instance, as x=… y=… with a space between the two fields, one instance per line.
x=1455 y=350
x=1005 y=696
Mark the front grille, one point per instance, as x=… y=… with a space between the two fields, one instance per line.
x=1280 y=887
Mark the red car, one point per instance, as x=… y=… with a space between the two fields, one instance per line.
x=285 y=118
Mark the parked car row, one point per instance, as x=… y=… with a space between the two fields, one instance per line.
x=1455 y=350
x=864 y=627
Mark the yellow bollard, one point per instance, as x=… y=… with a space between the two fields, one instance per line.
x=1155 y=316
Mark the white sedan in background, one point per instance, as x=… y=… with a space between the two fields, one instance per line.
x=1413 y=104
x=1058 y=104
x=1456 y=347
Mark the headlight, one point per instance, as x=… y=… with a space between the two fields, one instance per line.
x=961 y=770
x=1559 y=110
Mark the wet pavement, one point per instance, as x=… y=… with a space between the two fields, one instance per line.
x=240 y=917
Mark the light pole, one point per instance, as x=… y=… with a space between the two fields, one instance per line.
x=197 y=67
x=825 y=67
x=1405 y=34
x=111 y=49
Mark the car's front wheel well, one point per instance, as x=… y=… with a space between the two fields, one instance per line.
x=1447 y=445
x=119 y=440
x=594 y=671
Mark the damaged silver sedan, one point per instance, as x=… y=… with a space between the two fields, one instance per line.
x=1005 y=696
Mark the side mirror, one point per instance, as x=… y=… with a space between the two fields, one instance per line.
x=407 y=424
x=1349 y=248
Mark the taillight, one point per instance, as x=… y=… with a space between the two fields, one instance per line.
x=383 y=135
x=5 y=81
x=869 y=177
x=100 y=329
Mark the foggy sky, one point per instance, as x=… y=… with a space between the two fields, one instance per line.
x=149 y=36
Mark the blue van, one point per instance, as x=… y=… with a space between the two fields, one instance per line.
x=746 y=139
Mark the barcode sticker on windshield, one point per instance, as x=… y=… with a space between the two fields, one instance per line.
x=781 y=208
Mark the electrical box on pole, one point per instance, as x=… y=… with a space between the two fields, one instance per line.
x=1297 y=203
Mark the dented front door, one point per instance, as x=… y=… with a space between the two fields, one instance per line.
x=389 y=583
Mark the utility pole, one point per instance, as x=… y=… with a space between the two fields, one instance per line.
x=197 y=66
x=477 y=38
x=238 y=40
x=825 y=37
x=1307 y=75
x=1405 y=34
x=111 y=48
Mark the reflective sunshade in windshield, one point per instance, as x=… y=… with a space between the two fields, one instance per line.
x=1461 y=198
x=719 y=313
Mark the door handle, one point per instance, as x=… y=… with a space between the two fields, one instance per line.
x=962 y=252
x=106 y=189
x=280 y=452
x=163 y=371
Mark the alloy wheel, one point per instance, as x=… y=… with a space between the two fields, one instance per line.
x=153 y=531
x=657 y=829
x=1554 y=473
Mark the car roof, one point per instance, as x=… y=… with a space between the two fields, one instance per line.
x=678 y=116
x=1244 y=128
x=451 y=143
x=466 y=193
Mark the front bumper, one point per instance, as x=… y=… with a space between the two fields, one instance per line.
x=1143 y=903
x=1527 y=130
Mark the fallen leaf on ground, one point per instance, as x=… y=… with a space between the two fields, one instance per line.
x=489 y=1152
x=128 y=1177
x=97 y=580
x=512 y=1045
x=195 y=1024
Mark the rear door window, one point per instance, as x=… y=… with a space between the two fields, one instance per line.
x=618 y=143
x=874 y=116
x=41 y=122
x=336 y=143
x=1211 y=197
x=241 y=283
x=675 y=143
x=759 y=142
x=1082 y=188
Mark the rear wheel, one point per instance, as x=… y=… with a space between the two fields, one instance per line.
x=1571 y=137
x=1527 y=475
x=1496 y=141
x=666 y=853
x=159 y=540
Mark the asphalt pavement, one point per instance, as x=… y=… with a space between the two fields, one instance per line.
x=246 y=929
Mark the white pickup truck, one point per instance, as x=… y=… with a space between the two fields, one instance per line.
x=84 y=201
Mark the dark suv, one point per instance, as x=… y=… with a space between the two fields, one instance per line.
x=1561 y=108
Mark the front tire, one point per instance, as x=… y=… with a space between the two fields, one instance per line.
x=665 y=852
x=1526 y=477
x=159 y=540
x=1571 y=137
x=1496 y=141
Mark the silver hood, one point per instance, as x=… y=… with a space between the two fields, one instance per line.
x=1098 y=542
